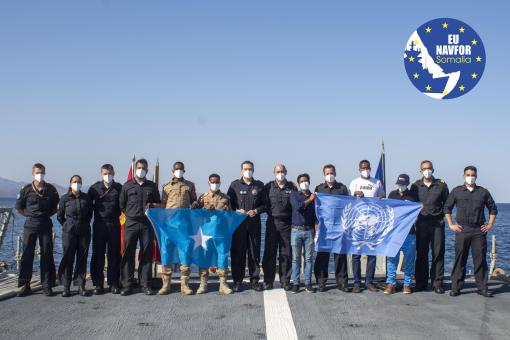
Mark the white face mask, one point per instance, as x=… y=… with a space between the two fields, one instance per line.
x=330 y=178
x=427 y=173
x=76 y=186
x=140 y=173
x=470 y=180
x=280 y=176
x=107 y=179
x=39 y=177
x=304 y=186
x=214 y=186
x=248 y=174
x=179 y=173
x=365 y=173
x=402 y=188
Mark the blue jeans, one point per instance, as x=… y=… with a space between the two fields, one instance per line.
x=301 y=242
x=409 y=250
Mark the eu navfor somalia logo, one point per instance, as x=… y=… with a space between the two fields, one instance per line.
x=444 y=58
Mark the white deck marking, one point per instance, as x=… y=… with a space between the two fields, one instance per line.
x=279 y=323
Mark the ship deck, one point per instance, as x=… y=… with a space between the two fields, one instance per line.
x=253 y=315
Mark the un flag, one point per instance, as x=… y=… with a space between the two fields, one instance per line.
x=199 y=236
x=363 y=226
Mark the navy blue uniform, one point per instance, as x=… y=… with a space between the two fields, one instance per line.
x=320 y=266
x=430 y=233
x=278 y=230
x=246 y=238
x=38 y=207
x=106 y=233
x=471 y=217
x=133 y=200
x=74 y=214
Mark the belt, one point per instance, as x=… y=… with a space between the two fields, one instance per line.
x=302 y=227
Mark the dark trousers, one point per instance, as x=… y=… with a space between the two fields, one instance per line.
x=476 y=240
x=31 y=234
x=277 y=241
x=246 y=240
x=105 y=239
x=76 y=242
x=429 y=235
x=321 y=268
x=135 y=231
x=370 y=269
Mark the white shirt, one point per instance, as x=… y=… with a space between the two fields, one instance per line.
x=370 y=187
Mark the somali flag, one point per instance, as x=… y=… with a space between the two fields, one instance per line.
x=363 y=226
x=194 y=236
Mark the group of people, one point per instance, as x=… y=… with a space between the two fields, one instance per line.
x=291 y=229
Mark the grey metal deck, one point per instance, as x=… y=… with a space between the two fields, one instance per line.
x=329 y=315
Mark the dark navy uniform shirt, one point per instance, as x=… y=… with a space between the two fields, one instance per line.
x=105 y=201
x=38 y=206
x=470 y=205
x=134 y=197
x=278 y=199
x=407 y=195
x=75 y=211
x=433 y=197
x=248 y=196
x=337 y=189
x=302 y=215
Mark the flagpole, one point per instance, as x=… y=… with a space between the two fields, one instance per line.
x=383 y=157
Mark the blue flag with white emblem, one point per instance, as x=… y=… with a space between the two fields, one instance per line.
x=199 y=236
x=363 y=226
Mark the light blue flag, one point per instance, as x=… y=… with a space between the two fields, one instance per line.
x=199 y=236
x=363 y=226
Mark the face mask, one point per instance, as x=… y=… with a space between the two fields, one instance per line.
x=178 y=173
x=140 y=173
x=214 y=186
x=402 y=188
x=248 y=174
x=427 y=173
x=39 y=177
x=365 y=173
x=76 y=186
x=470 y=180
x=107 y=178
x=304 y=186
x=330 y=178
x=280 y=176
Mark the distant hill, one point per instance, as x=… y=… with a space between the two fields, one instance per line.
x=10 y=189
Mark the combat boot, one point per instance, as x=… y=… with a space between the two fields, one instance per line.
x=224 y=288
x=204 y=274
x=185 y=272
x=167 y=280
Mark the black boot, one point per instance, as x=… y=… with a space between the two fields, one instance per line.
x=99 y=290
x=66 y=292
x=114 y=289
x=82 y=291
x=48 y=291
x=25 y=290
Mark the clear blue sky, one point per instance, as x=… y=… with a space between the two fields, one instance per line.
x=212 y=83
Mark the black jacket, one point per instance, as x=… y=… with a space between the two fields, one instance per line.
x=134 y=197
x=470 y=205
x=75 y=211
x=105 y=201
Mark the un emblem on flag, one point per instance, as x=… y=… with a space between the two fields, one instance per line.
x=367 y=224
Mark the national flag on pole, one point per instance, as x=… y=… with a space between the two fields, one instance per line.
x=381 y=169
x=122 y=217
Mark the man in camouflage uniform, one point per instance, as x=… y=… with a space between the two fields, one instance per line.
x=178 y=193
x=212 y=200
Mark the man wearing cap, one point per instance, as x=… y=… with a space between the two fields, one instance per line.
x=409 y=246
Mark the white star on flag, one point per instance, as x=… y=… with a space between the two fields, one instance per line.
x=200 y=239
